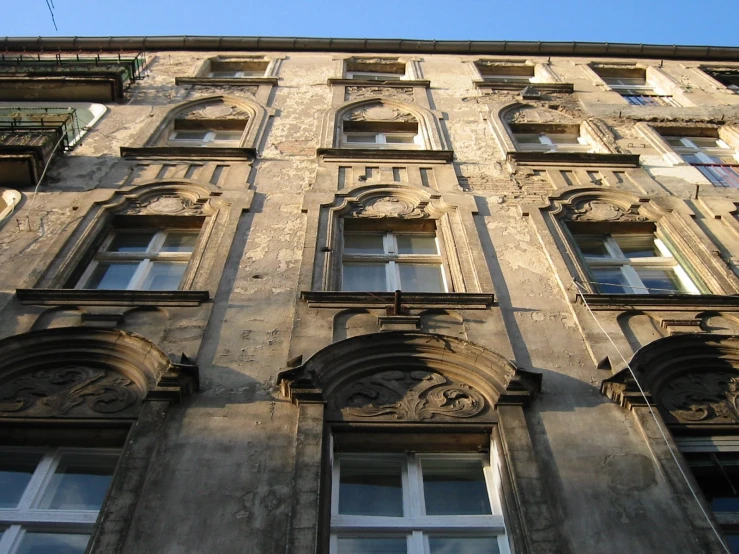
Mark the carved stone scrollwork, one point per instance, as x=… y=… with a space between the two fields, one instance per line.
x=417 y=395
x=71 y=391
x=166 y=204
x=597 y=210
x=216 y=112
x=390 y=206
x=379 y=112
x=404 y=94
x=705 y=397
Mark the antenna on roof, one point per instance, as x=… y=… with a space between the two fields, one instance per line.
x=50 y=5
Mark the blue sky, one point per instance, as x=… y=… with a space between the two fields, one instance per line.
x=642 y=21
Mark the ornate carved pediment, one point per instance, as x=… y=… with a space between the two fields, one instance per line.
x=379 y=112
x=404 y=94
x=165 y=204
x=390 y=206
x=212 y=112
x=702 y=397
x=598 y=210
x=540 y=114
x=375 y=61
x=409 y=395
x=69 y=391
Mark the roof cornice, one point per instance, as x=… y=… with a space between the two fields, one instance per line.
x=399 y=46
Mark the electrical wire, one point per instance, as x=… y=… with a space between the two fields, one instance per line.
x=654 y=416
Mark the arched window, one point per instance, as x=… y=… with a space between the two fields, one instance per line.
x=415 y=459
x=69 y=402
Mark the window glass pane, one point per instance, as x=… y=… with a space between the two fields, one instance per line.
x=364 y=277
x=112 y=275
x=351 y=137
x=637 y=246
x=191 y=135
x=592 y=246
x=658 y=280
x=528 y=138
x=464 y=545
x=400 y=139
x=733 y=541
x=563 y=138
x=53 y=543
x=224 y=74
x=609 y=281
x=705 y=142
x=674 y=141
x=164 y=276
x=179 y=242
x=371 y=488
x=725 y=504
x=366 y=243
x=130 y=242
x=79 y=483
x=420 y=278
x=227 y=136
x=351 y=545
x=16 y=470
x=454 y=487
x=417 y=244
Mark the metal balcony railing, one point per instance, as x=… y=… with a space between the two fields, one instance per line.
x=39 y=120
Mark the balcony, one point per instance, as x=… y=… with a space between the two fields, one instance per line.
x=82 y=76
x=29 y=138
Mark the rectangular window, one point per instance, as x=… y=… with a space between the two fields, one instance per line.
x=237 y=69
x=415 y=504
x=727 y=77
x=505 y=73
x=714 y=462
x=711 y=156
x=206 y=137
x=548 y=138
x=50 y=498
x=375 y=261
x=374 y=70
x=632 y=84
x=141 y=260
x=634 y=263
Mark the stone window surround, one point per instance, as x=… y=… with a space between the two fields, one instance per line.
x=654 y=134
x=659 y=366
x=264 y=82
x=454 y=227
x=413 y=72
x=699 y=70
x=429 y=129
x=166 y=202
x=543 y=72
x=593 y=130
x=139 y=363
x=655 y=76
x=607 y=209
x=318 y=386
x=155 y=144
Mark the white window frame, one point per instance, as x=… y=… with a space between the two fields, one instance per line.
x=28 y=516
x=639 y=91
x=619 y=260
x=235 y=74
x=415 y=525
x=379 y=140
x=208 y=141
x=547 y=145
x=374 y=76
x=392 y=259
x=144 y=259
x=717 y=171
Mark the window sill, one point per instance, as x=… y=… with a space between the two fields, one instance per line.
x=605 y=302
x=345 y=299
x=92 y=297
x=196 y=152
x=546 y=88
x=230 y=81
x=573 y=158
x=384 y=154
x=374 y=82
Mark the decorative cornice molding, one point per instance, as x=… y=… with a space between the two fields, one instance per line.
x=338 y=154
x=373 y=82
x=187 y=152
x=231 y=82
x=91 y=297
x=341 y=299
x=546 y=88
x=574 y=158
x=674 y=302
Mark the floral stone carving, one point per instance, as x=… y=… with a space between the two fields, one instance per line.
x=415 y=395
x=709 y=397
x=166 y=204
x=404 y=94
x=390 y=206
x=379 y=112
x=597 y=210
x=71 y=391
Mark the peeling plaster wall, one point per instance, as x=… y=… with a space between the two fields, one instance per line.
x=224 y=469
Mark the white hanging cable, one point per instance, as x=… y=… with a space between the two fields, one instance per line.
x=654 y=416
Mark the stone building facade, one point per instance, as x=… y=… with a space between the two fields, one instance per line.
x=368 y=296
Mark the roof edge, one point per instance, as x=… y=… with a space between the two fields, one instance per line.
x=400 y=46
